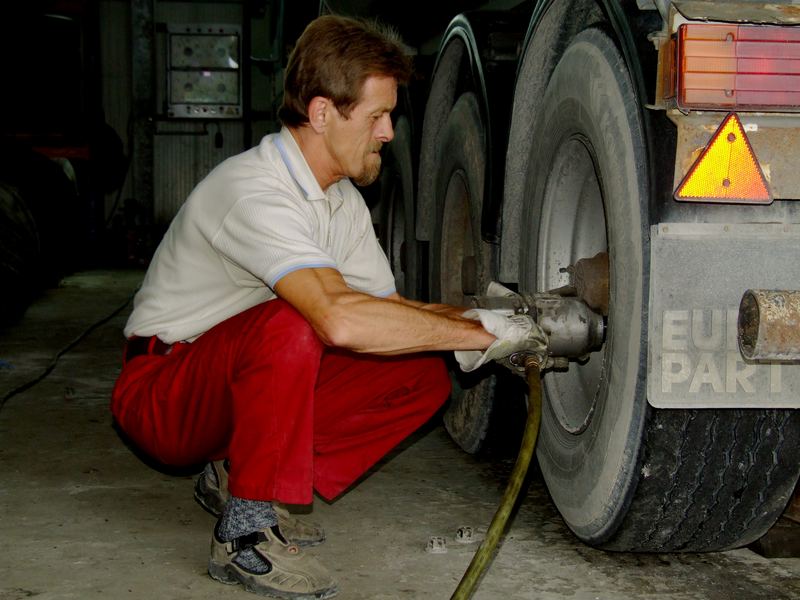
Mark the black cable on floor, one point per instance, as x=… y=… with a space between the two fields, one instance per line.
x=29 y=384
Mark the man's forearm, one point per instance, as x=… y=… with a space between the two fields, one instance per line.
x=356 y=321
x=442 y=309
x=398 y=326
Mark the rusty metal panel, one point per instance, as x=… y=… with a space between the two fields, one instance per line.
x=773 y=137
x=777 y=12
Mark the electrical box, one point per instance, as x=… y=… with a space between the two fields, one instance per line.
x=204 y=73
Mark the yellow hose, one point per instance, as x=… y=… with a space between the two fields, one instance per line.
x=484 y=553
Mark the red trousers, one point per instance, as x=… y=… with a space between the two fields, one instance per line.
x=290 y=414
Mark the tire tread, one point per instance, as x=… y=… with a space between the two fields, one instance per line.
x=734 y=488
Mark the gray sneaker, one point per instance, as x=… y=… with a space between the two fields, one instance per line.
x=291 y=574
x=211 y=492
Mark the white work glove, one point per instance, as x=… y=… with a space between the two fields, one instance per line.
x=515 y=333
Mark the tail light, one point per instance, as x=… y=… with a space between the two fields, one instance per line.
x=727 y=170
x=742 y=67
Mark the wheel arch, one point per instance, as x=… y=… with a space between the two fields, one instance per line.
x=553 y=26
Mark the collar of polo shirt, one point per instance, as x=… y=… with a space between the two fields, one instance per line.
x=300 y=171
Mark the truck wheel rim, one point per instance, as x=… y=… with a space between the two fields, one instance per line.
x=572 y=227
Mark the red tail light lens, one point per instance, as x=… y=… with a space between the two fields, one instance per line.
x=738 y=67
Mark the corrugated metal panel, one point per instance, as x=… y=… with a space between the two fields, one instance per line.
x=115 y=56
x=181 y=161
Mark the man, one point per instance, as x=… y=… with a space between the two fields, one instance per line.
x=267 y=330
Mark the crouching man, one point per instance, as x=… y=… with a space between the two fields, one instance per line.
x=267 y=336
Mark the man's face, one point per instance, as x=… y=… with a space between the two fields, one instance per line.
x=354 y=143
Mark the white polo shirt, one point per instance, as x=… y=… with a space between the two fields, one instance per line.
x=256 y=217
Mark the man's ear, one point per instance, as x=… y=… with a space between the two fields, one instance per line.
x=319 y=112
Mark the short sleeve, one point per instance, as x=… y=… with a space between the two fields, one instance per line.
x=270 y=235
x=365 y=266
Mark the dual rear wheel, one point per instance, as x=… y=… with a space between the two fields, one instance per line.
x=623 y=475
x=460 y=261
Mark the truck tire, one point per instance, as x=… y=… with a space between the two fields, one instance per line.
x=396 y=204
x=460 y=260
x=626 y=476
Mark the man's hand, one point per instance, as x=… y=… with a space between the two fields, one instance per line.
x=515 y=334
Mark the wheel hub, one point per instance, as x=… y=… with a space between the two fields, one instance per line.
x=459 y=272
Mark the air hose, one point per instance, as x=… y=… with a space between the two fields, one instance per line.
x=484 y=553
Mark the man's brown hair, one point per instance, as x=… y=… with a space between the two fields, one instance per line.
x=333 y=58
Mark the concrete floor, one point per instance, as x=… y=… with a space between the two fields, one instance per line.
x=82 y=517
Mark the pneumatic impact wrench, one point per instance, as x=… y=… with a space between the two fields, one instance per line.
x=572 y=330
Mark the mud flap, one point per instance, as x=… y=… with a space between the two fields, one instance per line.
x=698 y=275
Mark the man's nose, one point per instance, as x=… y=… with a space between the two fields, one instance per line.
x=385 y=131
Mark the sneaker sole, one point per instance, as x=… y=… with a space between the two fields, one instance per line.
x=228 y=575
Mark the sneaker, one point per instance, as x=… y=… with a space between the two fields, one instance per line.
x=291 y=574
x=211 y=488
x=298 y=532
x=211 y=492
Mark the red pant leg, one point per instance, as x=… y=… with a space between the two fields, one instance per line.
x=244 y=390
x=365 y=405
x=247 y=389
